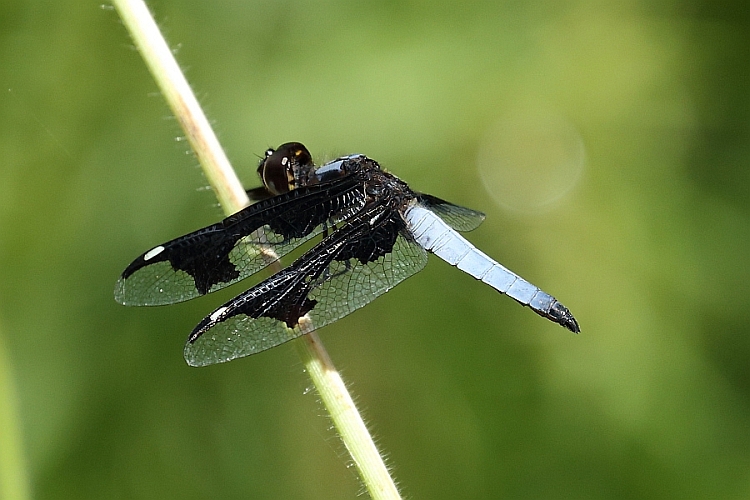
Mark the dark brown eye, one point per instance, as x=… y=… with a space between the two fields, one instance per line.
x=277 y=169
x=301 y=154
x=274 y=173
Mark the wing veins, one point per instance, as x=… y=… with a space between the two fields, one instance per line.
x=270 y=313
x=226 y=252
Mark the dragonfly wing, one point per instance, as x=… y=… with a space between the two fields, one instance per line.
x=242 y=244
x=458 y=217
x=348 y=269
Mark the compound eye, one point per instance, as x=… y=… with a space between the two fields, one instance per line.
x=283 y=168
x=301 y=154
x=276 y=172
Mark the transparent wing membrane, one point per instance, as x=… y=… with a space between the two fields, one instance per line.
x=241 y=245
x=338 y=276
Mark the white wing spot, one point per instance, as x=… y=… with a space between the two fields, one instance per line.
x=153 y=253
x=217 y=313
x=375 y=219
x=284 y=161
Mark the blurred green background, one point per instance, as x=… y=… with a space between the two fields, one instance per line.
x=608 y=143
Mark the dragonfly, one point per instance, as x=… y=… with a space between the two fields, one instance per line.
x=375 y=232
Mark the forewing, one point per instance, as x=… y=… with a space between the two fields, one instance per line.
x=345 y=271
x=221 y=254
x=458 y=217
x=258 y=194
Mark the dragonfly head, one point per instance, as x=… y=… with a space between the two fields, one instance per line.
x=285 y=168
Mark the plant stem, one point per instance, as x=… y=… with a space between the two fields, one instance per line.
x=346 y=418
x=13 y=481
x=332 y=390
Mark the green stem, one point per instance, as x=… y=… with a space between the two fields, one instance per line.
x=346 y=418
x=231 y=195
x=13 y=481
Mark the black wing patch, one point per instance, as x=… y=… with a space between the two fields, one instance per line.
x=258 y=194
x=362 y=260
x=458 y=217
x=242 y=244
